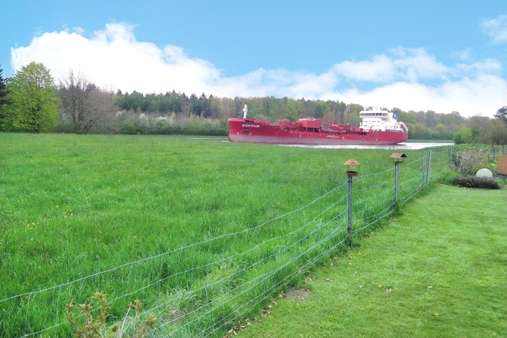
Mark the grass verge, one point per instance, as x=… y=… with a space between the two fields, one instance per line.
x=438 y=270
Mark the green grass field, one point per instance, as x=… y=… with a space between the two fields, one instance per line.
x=438 y=270
x=71 y=206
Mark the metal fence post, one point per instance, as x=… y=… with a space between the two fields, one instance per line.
x=351 y=172
x=349 y=210
x=397 y=158
x=428 y=168
x=451 y=160
x=397 y=183
x=423 y=170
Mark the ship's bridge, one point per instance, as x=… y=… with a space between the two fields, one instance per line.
x=381 y=120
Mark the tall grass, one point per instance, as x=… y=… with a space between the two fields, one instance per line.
x=74 y=205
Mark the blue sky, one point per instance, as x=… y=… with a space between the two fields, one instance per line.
x=279 y=47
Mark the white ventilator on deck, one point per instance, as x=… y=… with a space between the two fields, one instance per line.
x=245 y=111
x=381 y=120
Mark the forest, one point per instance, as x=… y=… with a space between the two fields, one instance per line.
x=31 y=101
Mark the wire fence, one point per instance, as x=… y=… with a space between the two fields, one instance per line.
x=222 y=282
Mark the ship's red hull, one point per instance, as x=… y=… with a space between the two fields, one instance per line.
x=260 y=131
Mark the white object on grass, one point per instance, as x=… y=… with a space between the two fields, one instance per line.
x=484 y=173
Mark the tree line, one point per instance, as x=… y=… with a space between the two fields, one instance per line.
x=32 y=102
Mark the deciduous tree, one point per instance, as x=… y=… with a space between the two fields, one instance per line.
x=84 y=107
x=497 y=132
x=33 y=102
x=464 y=135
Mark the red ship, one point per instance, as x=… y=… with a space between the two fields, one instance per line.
x=378 y=127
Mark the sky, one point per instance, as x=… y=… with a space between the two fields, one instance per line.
x=426 y=55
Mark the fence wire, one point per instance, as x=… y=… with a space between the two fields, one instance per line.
x=212 y=293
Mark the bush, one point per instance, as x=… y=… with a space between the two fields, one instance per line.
x=449 y=177
x=170 y=125
x=476 y=182
x=464 y=135
x=467 y=162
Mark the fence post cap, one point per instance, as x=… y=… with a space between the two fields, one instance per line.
x=398 y=157
x=351 y=165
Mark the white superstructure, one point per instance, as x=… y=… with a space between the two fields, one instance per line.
x=245 y=111
x=381 y=120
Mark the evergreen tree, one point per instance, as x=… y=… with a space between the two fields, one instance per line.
x=3 y=101
x=502 y=114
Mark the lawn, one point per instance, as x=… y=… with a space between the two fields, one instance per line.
x=177 y=222
x=437 y=270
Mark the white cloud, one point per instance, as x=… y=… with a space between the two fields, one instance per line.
x=481 y=95
x=406 y=78
x=464 y=55
x=417 y=64
x=490 y=66
x=400 y=63
x=379 y=69
x=496 y=28
x=113 y=58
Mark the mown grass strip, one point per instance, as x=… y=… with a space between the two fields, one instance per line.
x=437 y=270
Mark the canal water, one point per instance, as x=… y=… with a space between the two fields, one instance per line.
x=400 y=146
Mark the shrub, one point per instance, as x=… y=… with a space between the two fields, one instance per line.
x=467 y=162
x=449 y=177
x=168 y=125
x=464 y=135
x=91 y=317
x=90 y=320
x=476 y=182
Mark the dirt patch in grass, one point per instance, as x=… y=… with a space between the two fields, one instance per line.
x=297 y=293
x=176 y=315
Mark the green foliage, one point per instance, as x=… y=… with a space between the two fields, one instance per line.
x=502 y=114
x=3 y=100
x=464 y=135
x=34 y=108
x=33 y=103
x=422 y=125
x=476 y=182
x=497 y=132
x=171 y=125
x=216 y=107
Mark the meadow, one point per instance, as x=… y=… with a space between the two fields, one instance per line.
x=195 y=228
